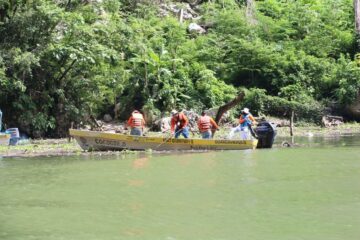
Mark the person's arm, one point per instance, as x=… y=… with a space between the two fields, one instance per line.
x=253 y=121
x=198 y=123
x=213 y=123
x=172 y=122
x=129 y=122
x=186 y=121
x=143 y=123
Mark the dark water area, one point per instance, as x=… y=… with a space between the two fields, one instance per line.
x=310 y=191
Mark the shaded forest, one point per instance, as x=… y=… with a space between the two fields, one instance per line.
x=64 y=62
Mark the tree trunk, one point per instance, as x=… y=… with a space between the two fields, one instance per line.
x=224 y=108
x=292 y=123
x=61 y=119
x=181 y=15
x=357 y=16
x=250 y=11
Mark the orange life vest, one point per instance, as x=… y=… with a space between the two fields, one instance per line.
x=181 y=119
x=137 y=119
x=204 y=123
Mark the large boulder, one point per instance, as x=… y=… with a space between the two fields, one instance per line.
x=194 y=27
x=330 y=121
x=107 y=118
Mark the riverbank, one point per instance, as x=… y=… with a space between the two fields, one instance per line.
x=64 y=147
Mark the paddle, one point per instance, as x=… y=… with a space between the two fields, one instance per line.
x=167 y=139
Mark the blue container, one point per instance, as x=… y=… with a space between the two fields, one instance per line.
x=15 y=135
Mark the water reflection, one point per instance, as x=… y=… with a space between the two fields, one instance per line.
x=347 y=140
x=140 y=163
x=136 y=182
x=309 y=192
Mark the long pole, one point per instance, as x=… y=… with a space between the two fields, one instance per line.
x=167 y=139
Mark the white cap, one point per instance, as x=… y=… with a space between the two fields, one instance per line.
x=246 y=110
x=173 y=112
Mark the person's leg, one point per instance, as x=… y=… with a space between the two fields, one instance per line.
x=233 y=131
x=206 y=135
x=245 y=133
x=185 y=132
x=136 y=132
x=177 y=132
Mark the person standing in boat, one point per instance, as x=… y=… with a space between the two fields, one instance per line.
x=179 y=124
x=246 y=121
x=136 y=123
x=205 y=125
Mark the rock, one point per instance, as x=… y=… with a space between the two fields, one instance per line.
x=194 y=27
x=107 y=118
x=330 y=121
x=278 y=122
x=165 y=124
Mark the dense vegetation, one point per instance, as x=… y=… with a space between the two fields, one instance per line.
x=64 y=61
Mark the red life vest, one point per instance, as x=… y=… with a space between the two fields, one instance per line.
x=137 y=119
x=181 y=119
x=204 y=123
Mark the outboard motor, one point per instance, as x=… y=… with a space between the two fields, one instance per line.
x=266 y=133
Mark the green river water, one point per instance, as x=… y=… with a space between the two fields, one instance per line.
x=311 y=192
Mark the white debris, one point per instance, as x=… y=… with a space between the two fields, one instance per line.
x=194 y=27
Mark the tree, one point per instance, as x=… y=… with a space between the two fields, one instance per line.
x=357 y=16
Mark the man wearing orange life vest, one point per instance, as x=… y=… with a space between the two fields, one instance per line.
x=179 y=124
x=205 y=124
x=137 y=123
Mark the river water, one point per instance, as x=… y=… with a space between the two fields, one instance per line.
x=311 y=192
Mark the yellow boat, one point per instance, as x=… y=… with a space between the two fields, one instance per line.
x=103 y=141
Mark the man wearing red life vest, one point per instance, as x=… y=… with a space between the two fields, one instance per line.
x=179 y=124
x=205 y=124
x=137 y=123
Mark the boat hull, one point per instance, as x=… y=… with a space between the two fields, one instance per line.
x=102 y=141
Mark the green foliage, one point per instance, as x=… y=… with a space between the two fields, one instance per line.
x=293 y=98
x=63 y=61
x=347 y=75
x=212 y=91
